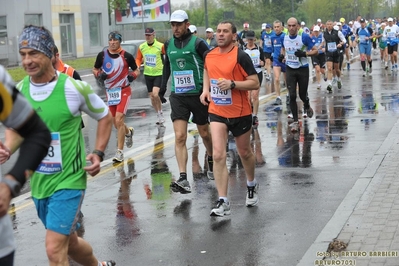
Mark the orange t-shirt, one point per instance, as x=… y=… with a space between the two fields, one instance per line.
x=234 y=65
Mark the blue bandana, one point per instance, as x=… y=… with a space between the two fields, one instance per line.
x=37 y=38
x=115 y=35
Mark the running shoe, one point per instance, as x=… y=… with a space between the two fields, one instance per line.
x=278 y=101
x=290 y=116
x=308 y=112
x=294 y=127
x=129 y=138
x=318 y=86
x=255 y=122
x=118 y=156
x=339 y=84
x=108 y=263
x=210 y=168
x=222 y=208
x=182 y=185
x=365 y=73
x=304 y=114
x=161 y=119
x=252 y=196
x=329 y=88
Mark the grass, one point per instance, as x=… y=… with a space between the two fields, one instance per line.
x=18 y=73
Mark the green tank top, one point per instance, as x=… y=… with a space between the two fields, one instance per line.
x=152 y=58
x=187 y=68
x=62 y=168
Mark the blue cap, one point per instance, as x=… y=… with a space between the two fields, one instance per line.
x=268 y=26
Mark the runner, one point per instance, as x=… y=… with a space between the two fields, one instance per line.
x=226 y=89
x=257 y=57
x=151 y=54
x=58 y=185
x=184 y=60
x=333 y=40
x=382 y=43
x=36 y=141
x=266 y=43
x=363 y=36
x=277 y=40
x=319 y=60
x=297 y=68
x=112 y=66
x=391 y=33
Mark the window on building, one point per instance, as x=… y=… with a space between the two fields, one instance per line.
x=94 y=26
x=3 y=30
x=33 y=19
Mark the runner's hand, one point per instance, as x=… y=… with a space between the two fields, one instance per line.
x=5 y=153
x=281 y=58
x=102 y=75
x=300 y=53
x=94 y=168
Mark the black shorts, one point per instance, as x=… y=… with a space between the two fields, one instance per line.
x=260 y=77
x=152 y=81
x=268 y=56
x=237 y=126
x=182 y=106
x=332 y=57
x=319 y=60
x=392 y=49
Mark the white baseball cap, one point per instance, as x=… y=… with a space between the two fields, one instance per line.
x=318 y=20
x=178 y=16
x=192 y=28
x=390 y=19
x=209 y=30
x=316 y=28
x=336 y=27
x=350 y=22
x=383 y=24
x=339 y=24
x=303 y=23
x=264 y=26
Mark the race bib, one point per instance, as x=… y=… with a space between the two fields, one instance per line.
x=268 y=42
x=331 y=46
x=391 y=34
x=292 y=57
x=184 y=81
x=255 y=60
x=362 y=38
x=114 y=96
x=52 y=163
x=220 y=97
x=150 y=60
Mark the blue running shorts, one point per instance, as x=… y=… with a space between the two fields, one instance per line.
x=60 y=211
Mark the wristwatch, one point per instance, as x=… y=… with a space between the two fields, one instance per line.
x=14 y=186
x=99 y=154
x=232 y=85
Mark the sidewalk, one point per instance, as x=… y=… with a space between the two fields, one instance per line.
x=367 y=220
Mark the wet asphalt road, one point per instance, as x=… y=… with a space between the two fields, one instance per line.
x=131 y=216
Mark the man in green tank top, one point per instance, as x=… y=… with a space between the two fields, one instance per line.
x=58 y=184
x=184 y=61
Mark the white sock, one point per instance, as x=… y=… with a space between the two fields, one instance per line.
x=224 y=199
x=251 y=183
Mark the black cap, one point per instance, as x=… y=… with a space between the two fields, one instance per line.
x=250 y=34
x=362 y=20
x=149 y=31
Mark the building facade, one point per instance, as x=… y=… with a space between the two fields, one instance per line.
x=79 y=27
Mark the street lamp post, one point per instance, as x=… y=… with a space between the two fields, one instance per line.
x=206 y=13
